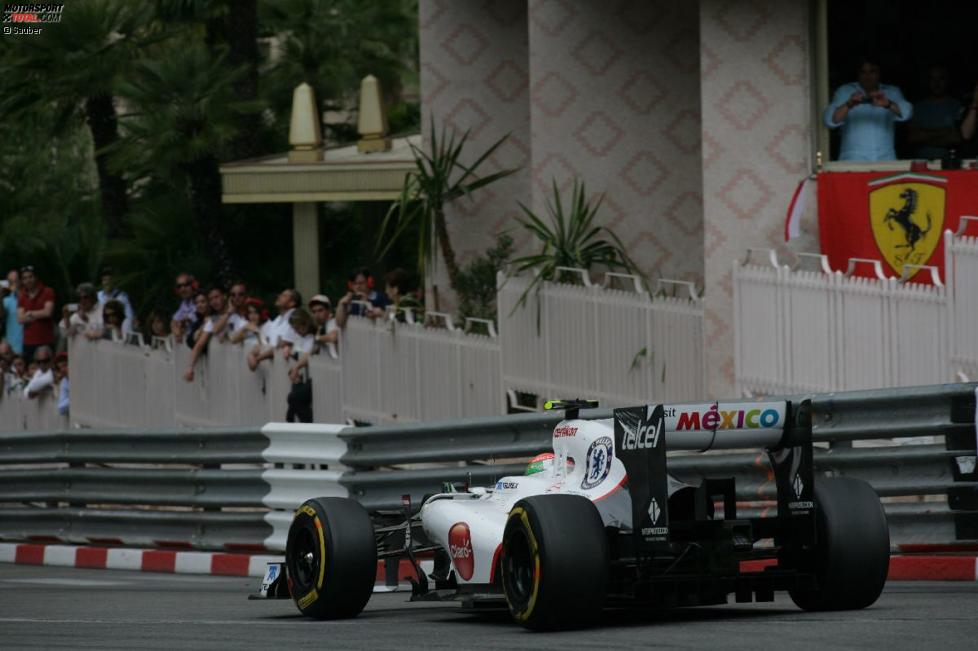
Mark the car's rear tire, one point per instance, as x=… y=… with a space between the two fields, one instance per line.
x=852 y=555
x=331 y=558
x=554 y=562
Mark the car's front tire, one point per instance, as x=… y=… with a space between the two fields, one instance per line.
x=852 y=554
x=331 y=558
x=554 y=562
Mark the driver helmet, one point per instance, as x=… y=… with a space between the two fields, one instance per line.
x=543 y=462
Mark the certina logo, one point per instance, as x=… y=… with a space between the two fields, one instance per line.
x=506 y=485
x=460 y=549
x=714 y=419
x=564 y=431
x=598 y=462
x=642 y=437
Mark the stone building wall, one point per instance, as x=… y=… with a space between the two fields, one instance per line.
x=754 y=75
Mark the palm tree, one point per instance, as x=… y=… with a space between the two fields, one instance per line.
x=439 y=178
x=75 y=66
x=230 y=28
x=569 y=237
x=184 y=117
x=333 y=44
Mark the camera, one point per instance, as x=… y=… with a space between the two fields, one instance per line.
x=866 y=100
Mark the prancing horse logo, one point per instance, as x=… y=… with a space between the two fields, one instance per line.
x=906 y=214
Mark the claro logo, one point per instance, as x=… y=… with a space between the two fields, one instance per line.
x=460 y=549
x=715 y=419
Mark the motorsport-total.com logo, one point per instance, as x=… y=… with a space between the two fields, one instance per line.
x=28 y=18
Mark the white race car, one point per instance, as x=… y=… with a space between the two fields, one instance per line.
x=600 y=522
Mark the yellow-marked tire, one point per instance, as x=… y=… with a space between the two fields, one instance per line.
x=554 y=562
x=331 y=558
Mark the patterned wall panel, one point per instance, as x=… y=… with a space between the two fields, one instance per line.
x=614 y=100
x=474 y=76
x=756 y=111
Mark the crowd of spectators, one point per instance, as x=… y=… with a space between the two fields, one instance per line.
x=34 y=344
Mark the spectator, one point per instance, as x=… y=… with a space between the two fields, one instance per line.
x=238 y=313
x=8 y=310
x=87 y=317
x=361 y=299
x=6 y=360
x=213 y=326
x=35 y=310
x=43 y=378
x=867 y=111
x=202 y=310
x=157 y=326
x=186 y=315
x=61 y=381
x=109 y=291
x=934 y=130
x=327 y=332
x=250 y=333
x=6 y=352
x=115 y=327
x=17 y=376
x=220 y=312
x=287 y=301
x=970 y=124
x=324 y=335
x=299 y=344
x=398 y=290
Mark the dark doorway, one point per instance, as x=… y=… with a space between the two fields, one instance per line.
x=908 y=37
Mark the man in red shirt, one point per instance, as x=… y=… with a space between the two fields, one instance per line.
x=35 y=310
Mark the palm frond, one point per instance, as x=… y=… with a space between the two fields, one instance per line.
x=570 y=238
x=438 y=178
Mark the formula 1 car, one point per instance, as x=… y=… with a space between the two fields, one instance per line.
x=601 y=522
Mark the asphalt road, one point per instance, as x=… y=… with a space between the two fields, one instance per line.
x=53 y=608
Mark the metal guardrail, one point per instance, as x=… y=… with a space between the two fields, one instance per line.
x=217 y=445
x=144 y=528
x=169 y=486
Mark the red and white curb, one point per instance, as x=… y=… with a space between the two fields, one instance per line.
x=174 y=562
x=907 y=567
x=933 y=568
x=911 y=567
x=140 y=560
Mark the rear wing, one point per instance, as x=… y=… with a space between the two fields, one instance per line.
x=642 y=435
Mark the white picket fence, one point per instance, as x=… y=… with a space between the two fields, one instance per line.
x=822 y=330
x=796 y=330
x=620 y=346
x=961 y=269
x=20 y=414
x=407 y=372
x=393 y=371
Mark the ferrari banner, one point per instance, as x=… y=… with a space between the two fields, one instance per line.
x=896 y=218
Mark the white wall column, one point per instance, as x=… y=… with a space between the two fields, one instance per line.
x=305 y=248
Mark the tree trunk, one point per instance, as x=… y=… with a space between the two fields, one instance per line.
x=242 y=40
x=447 y=251
x=205 y=199
x=101 y=118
